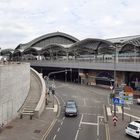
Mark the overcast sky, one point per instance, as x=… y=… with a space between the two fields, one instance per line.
x=23 y=20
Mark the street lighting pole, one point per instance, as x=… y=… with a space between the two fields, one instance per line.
x=65 y=76
x=71 y=75
x=115 y=77
x=0 y=51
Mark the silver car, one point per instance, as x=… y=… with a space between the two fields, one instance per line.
x=71 y=108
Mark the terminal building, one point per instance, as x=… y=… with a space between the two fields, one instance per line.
x=90 y=61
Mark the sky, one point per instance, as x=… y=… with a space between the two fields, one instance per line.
x=24 y=20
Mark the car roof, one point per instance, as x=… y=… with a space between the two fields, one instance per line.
x=70 y=101
x=136 y=123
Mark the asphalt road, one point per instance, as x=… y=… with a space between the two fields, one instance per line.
x=89 y=124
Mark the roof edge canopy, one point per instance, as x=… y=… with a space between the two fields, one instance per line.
x=29 y=44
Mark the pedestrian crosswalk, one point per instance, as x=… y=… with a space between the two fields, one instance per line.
x=109 y=111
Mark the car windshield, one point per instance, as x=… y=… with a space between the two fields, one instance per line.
x=133 y=127
x=70 y=105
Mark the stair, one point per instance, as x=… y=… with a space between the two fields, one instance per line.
x=30 y=104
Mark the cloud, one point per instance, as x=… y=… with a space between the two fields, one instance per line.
x=25 y=20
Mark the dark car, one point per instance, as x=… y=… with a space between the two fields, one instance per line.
x=71 y=108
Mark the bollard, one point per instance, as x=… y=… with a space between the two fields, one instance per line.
x=21 y=116
x=130 y=118
x=114 y=123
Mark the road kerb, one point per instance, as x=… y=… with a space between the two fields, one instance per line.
x=48 y=130
x=54 y=121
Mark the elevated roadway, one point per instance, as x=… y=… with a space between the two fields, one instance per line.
x=120 y=66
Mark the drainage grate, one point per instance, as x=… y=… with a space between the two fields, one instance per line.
x=37 y=131
x=9 y=127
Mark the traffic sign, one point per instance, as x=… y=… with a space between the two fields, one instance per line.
x=121 y=101
x=128 y=98
x=115 y=118
x=116 y=100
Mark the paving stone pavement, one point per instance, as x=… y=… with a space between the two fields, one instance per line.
x=35 y=129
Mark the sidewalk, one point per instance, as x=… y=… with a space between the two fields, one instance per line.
x=118 y=132
x=35 y=129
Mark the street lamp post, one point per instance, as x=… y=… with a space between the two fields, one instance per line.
x=71 y=75
x=65 y=76
x=0 y=51
x=115 y=77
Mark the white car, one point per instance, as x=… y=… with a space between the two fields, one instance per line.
x=138 y=100
x=133 y=129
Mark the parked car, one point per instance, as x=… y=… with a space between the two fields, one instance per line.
x=71 y=108
x=133 y=129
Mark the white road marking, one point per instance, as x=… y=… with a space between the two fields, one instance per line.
x=61 y=99
x=97 y=127
x=49 y=108
x=58 y=129
x=89 y=114
x=54 y=137
x=132 y=116
x=98 y=119
x=108 y=99
x=84 y=102
x=76 y=134
x=109 y=111
x=119 y=109
x=78 y=128
x=55 y=108
x=88 y=106
x=63 y=118
x=81 y=120
x=127 y=108
x=88 y=123
x=62 y=123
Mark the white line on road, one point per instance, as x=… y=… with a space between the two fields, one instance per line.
x=89 y=114
x=88 y=123
x=84 y=102
x=55 y=108
x=98 y=121
x=76 y=134
x=61 y=99
x=108 y=99
x=98 y=127
x=49 y=108
x=109 y=111
x=58 y=129
x=132 y=116
x=79 y=127
x=81 y=120
x=62 y=123
x=54 y=137
x=119 y=109
x=63 y=118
